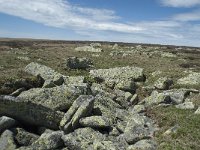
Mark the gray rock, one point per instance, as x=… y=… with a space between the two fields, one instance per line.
x=177 y=96
x=185 y=105
x=50 y=76
x=23 y=137
x=126 y=85
x=88 y=49
x=136 y=127
x=139 y=108
x=134 y=100
x=96 y=122
x=79 y=109
x=78 y=63
x=57 y=98
x=74 y=79
x=197 y=111
x=6 y=123
x=156 y=98
x=163 y=83
x=118 y=74
x=191 y=79
x=82 y=138
x=7 y=141
x=49 y=141
x=29 y=113
x=173 y=129
x=143 y=145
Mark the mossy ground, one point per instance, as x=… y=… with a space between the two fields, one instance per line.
x=54 y=53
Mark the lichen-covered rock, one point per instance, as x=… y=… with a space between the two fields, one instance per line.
x=79 y=109
x=78 y=63
x=163 y=83
x=105 y=106
x=73 y=79
x=24 y=138
x=118 y=74
x=29 y=113
x=96 y=122
x=7 y=141
x=156 y=98
x=185 y=105
x=126 y=85
x=191 y=79
x=177 y=96
x=58 y=98
x=82 y=138
x=49 y=141
x=6 y=123
x=95 y=44
x=169 y=55
x=139 y=108
x=88 y=49
x=50 y=76
x=143 y=145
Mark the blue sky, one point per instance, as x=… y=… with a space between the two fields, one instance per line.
x=175 y=22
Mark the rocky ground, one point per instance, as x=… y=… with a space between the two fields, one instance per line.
x=98 y=96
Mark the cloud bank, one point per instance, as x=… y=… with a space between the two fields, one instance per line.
x=104 y=24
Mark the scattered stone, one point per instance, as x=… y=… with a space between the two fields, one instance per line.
x=51 y=77
x=6 y=123
x=29 y=113
x=197 y=111
x=57 y=98
x=7 y=141
x=24 y=138
x=185 y=105
x=191 y=79
x=163 y=83
x=173 y=129
x=79 y=109
x=96 y=122
x=156 y=73
x=88 y=49
x=78 y=63
x=143 y=145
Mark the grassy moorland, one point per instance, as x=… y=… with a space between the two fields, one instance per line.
x=16 y=54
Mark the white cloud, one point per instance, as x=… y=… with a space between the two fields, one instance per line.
x=180 y=3
x=190 y=16
x=60 y=13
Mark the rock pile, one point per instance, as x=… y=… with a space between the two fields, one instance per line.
x=73 y=115
x=94 y=47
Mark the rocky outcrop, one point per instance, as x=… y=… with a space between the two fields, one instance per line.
x=185 y=105
x=51 y=77
x=78 y=63
x=29 y=113
x=143 y=145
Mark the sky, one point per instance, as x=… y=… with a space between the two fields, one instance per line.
x=173 y=22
